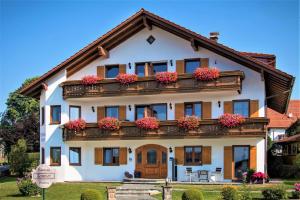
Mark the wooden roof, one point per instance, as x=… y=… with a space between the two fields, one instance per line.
x=278 y=84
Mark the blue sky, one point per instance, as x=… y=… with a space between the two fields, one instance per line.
x=38 y=35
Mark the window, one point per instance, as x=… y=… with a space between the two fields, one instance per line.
x=241 y=160
x=111 y=156
x=156 y=110
x=74 y=112
x=193 y=109
x=151 y=157
x=159 y=67
x=163 y=157
x=112 y=111
x=139 y=158
x=111 y=71
x=140 y=69
x=193 y=155
x=43 y=115
x=241 y=107
x=55 y=112
x=55 y=156
x=191 y=65
x=75 y=156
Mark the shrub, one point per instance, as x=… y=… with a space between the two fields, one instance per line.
x=288 y=171
x=76 y=125
x=90 y=80
x=188 y=123
x=109 y=123
x=147 y=123
x=126 y=79
x=297 y=160
x=247 y=176
x=231 y=120
x=296 y=193
x=274 y=193
x=91 y=194
x=27 y=188
x=229 y=193
x=192 y=194
x=166 y=77
x=245 y=193
x=206 y=74
x=258 y=177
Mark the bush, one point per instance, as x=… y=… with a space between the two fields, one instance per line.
x=229 y=193
x=297 y=160
x=91 y=194
x=192 y=194
x=249 y=174
x=288 y=171
x=274 y=193
x=27 y=188
x=296 y=193
x=245 y=195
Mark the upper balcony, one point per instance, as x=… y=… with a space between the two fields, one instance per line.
x=228 y=81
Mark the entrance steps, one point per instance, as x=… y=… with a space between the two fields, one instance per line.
x=144 y=181
x=136 y=191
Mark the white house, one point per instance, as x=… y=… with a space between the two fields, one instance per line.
x=146 y=44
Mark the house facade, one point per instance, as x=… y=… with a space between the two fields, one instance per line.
x=146 y=44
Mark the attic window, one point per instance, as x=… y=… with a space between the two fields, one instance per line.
x=150 y=39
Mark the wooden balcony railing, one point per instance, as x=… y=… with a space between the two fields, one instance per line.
x=229 y=80
x=253 y=127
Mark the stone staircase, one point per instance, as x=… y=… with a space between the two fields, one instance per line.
x=129 y=191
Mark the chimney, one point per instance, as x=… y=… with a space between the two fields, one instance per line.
x=214 y=36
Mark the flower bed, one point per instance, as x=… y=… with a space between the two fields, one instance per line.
x=166 y=77
x=296 y=193
x=258 y=177
x=109 y=123
x=126 y=79
x=76 y=125
x=90 y=80
x=188 y=123
x=147 y=123
x=206 y=74
x=231 y=120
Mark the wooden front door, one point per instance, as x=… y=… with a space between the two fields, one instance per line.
x=152 y=161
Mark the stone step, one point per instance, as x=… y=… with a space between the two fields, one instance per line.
x=135 y=197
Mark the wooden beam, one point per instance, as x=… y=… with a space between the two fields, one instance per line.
x=103 y=52
x=193 y=44
x=262 y=75
x=146 y=23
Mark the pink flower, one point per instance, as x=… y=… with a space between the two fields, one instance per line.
x=206 y=74
x=188 y=123
x=76 y=125
x=90 y=80
x=166 y=77
x=126 y=79
x=148 y=123
x=258 y=176
x=297 y=187
x=231 y=120
x=109 y=123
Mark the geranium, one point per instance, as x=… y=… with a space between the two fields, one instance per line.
x=126 y=79
x=297 y=187
x=231 y=120
x=296 y=193
x=188 y=123
x=206 y=74
x=258 y=177
x=166 y=77
x=109 y=123
x=90 y=80
x=148 y=123
x=76 y=125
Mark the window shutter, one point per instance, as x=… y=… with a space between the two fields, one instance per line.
x=98 y=156
x=122 y=69
x=228 y=162
x=122 y=113
x=148 y=69
x=179 y=155
x=206 y=106
x=123 y=156
x=179 y=110
x=100 y=112
x=206 y=152
x=204 y=62
x=180 y=66
x=228 y=107
x=101 y=72
x=254 y=108
x=253 y=157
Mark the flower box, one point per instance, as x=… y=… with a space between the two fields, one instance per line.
x=76 y=125
x=109 y=123
x=147 y=123
x=188 y=123
x=166 y=77
x=231 y=120
x=126 y=79
x=90 y=80
x=206 y=74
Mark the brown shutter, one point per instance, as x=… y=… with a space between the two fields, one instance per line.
x=204 y=62
x=228 y=107
x=101 y=72
x=100 y=112
x=123 y=156
x=122 y=113
x=148 y=69
x=228 y=162
x=254 y=108
x=253 y=157
x=180 y=66
x=98 y=156
x=122 y=69
x=206 y=106
x=179 y=155
x=206 y=152
x=179 y=110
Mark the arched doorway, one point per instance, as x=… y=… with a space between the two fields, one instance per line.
x=151 y=161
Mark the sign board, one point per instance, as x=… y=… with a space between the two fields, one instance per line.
x=43 y=176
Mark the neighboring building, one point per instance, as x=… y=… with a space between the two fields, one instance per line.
x=279 y=122
x=145 y=44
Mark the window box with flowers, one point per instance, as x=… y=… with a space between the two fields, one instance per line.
x=188 y=123
x=109 y=124
x=166 y=78
x=147 y=123
x=76 y=125
x=206 y=74
x=231 y=120
x=126 y=79
x=89 y=82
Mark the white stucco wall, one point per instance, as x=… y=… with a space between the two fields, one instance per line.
x=274 y=133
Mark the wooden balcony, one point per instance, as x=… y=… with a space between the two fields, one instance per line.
x=229 y=80
x=253 y=127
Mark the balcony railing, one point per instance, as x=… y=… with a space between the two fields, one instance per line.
x=253 y=127
x=229 y=80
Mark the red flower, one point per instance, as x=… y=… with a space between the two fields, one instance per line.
x=126 y=79
x=148 y=123
x=258 y=176
x=76 y=125
x=90 y=80
x=206 y=74
x=189 y=122
x=297 y=187
x=231 y=120
x=166 y=77
x=109 y=123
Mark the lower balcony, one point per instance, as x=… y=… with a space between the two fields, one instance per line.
x=253 y=127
